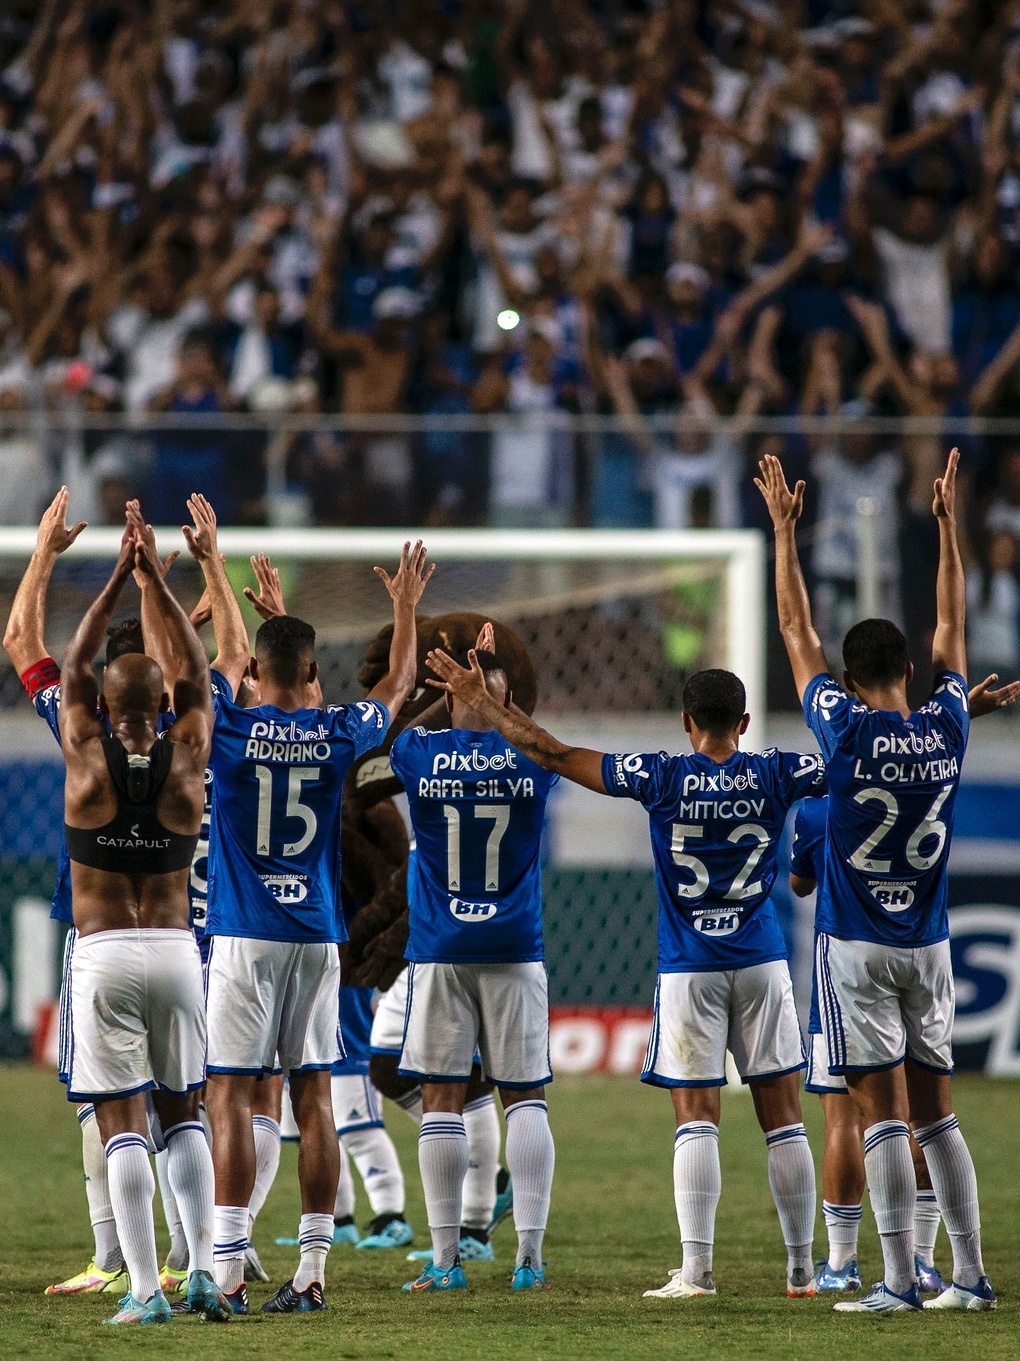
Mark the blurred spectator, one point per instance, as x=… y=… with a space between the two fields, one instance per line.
x=993 y=608
x=188 y=456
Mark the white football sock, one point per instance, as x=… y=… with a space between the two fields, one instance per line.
x=267 y=1163
x=315 y=1237
x=375 y=1157
x=926 y=1226
x=410 y=1104
x=531 y=1161
x=177 y=1256
x=230 y=1243
x=893 y=1190
x=792 y=1180
x=843 y=1223
x=190 y=1172
x=952 y=1175
x=697 y=1185
x=481 y=1121
x=107 y=1254
x=131 y=1192
x=442 y=1160
x=343 y=1206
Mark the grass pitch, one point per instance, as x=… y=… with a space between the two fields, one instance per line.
x=612 y=1234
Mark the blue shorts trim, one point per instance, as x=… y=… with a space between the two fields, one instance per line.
x=378 y=1049
x=780 y=1072
x=341 y=1130
x=172 y=1091
x=819 y=1090
x=97 y=1097
x=218 y=1071
x=871 y=1067
x=431 y=1077
x=931 y=1067
x=519 y=1086
x=653 y=1080
x=307 y=1068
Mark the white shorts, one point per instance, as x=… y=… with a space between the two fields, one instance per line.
x=64 y=1007
x=883 y=1003
x=138 y=1015
x=500 y=1009
x=818 y=1078
x=269 y=997
x=388 y=1022
x=698 y=1016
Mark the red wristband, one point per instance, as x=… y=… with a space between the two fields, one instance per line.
x=39 y=675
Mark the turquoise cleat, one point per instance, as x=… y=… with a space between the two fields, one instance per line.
x=828 y=1279
x=156 y=1310
x=392 y=1232
x=439 y=1278
x=468 y=1250
x=504 y=1200
x=528 y=1277
x=346 y=1234
x=206 y=1298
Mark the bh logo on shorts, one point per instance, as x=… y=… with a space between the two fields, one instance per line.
x=472 y=912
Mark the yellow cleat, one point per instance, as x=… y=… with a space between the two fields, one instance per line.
x=172 y=1282
x=91 y=1281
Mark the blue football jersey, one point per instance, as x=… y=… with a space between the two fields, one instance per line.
x=198 y=879
x=892 y=791
x=715 y=831
x=474 y=881
x=274 y=837
x=807 y=860
x=356 y=1029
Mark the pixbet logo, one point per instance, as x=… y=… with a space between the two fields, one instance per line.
x=720 y=782
x=475 y=761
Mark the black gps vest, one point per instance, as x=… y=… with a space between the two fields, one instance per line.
x=135 y=842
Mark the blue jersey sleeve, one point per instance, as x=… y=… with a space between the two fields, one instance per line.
x=47 y=706
x=808 y=838
x=221 y=687
x=949 y=704
x=829 y=711
x=636 y=776
x=365 y=724
x=802 y=776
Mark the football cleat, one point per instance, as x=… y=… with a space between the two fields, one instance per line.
x=92 y=1281
x=238 y=1300
x=881 y=1300
x=975 y=1297
x=676 y=1288
x=156 y=1310
x=504 y=1199
x=206 y=1298
x=171 y=1281
x=800 y=1284
x=287 y=1300
x=929 y=1281
x=347 y=1234
x=439 y=1278
x=253 y=1268
x=468 y=1250
x=528 y=1277
x=388 y=1233
x=828 y=1278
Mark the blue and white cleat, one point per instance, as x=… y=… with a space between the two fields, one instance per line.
x=676 y=1288
x=504 y=1200
x=206 y=1298
x=156 y=1310
x=391 y=1233
x=828 y=1279
x=528 y=1277
x=346 y=1233
x=438 y=1278
x=882 y=1300
x=929 y=1281
x=974 y=1297
x=468 y=1250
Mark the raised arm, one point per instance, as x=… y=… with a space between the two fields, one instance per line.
x=79 y=691
x=23 y=637
x=579 y=764
x=232 y=649
x=405 y=590
x=949 y=647
x=155 y=639
x=803 y=645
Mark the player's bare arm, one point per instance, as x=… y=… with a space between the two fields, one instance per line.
x=232 y=650
x=23 y=637
x=579 y=764
x=405 y=589
x=949 y=646
x=804 y=647
x=156 y=643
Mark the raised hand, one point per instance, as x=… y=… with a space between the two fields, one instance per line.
x=54 y=536
x=201 y=540
x=163 y=564
x=944 y=502
x=486 y=640
x=467 y=683
x=985 y=700
x=785 y=506
x=412 y=576
x=269 y=601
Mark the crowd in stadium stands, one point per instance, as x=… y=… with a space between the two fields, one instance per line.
x=740 y=207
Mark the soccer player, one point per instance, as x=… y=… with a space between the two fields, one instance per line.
x=133 y=808
x=715 y=818
x=274 y=915
x=883 y=956
x=476 y=977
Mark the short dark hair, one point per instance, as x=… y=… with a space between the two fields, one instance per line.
x=716 y=701
x=122 y=638
x=284 y=645
x=875 y=652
